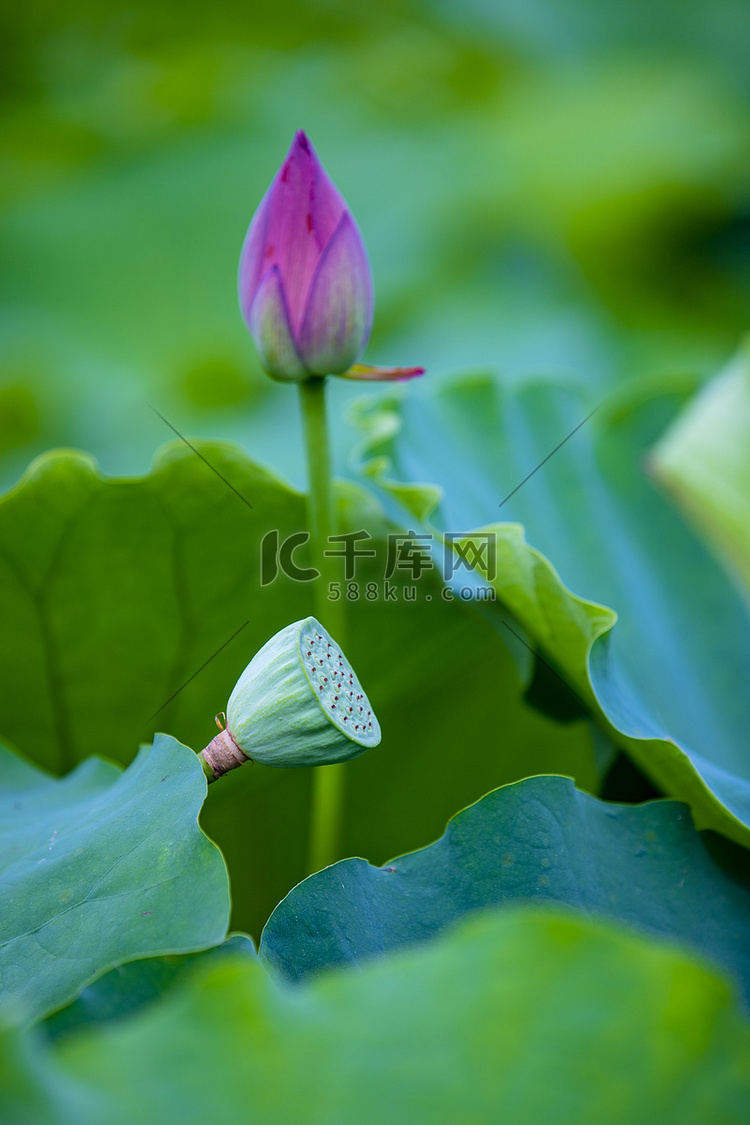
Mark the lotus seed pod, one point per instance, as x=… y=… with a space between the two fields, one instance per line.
x=298 y=703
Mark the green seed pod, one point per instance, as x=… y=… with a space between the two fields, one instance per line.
x=298 y=703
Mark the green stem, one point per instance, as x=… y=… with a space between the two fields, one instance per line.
x=328 y=781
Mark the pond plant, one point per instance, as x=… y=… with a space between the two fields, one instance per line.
x=575 y=946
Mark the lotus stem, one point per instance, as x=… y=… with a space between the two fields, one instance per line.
x=328 y=781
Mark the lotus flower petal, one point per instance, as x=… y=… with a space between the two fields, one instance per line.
x=252 y=259
x=268 y=321
x=291 y=228
x=368 y=374
x=338 y=317
x=305 y=286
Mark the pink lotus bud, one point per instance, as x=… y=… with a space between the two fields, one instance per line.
x=304 y=281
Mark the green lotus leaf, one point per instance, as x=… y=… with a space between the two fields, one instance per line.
x=132 y=606
x=668 y=683
x=704 y=462
x=537 y=841
x=518 y=1015
x=102 y=867
x=136 y=984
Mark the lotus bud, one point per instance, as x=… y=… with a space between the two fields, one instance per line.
x=298 y=703
x=305 y=286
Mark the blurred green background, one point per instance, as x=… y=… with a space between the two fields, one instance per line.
x=554 y=187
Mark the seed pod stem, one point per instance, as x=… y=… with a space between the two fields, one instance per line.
x=221 y=755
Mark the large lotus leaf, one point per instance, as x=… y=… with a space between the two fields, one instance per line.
x=136 y=984
x=115 y=593
x=540 y=840
x=669 y=682
x=102 y=867
x=30 y=1093
x=520 y=1016
x=704 y=461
